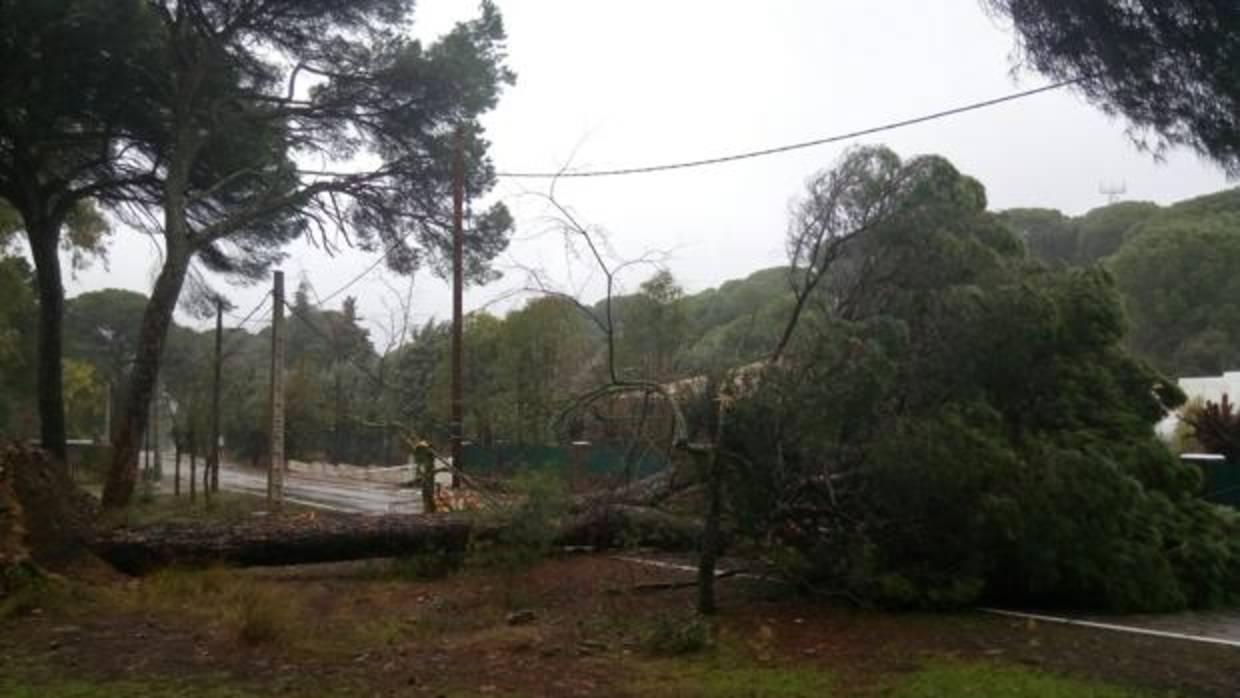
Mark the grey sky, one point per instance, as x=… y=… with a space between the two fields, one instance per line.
x=606 y=84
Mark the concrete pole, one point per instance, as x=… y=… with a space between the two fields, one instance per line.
x=213 y=463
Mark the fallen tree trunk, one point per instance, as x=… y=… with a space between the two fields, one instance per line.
x=304 y=540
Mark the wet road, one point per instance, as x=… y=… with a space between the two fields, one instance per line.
x=328 y=493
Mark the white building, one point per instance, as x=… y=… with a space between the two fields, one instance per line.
x=1205 y=388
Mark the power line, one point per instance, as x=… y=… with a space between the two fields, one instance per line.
x=730 y=158
x=379 y=382
x=795 y=146
x=228 y=341
x=262 y=301
x=391 y=248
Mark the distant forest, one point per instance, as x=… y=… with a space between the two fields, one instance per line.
x=1174 y=268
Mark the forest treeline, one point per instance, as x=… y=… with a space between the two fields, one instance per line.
x=347 y=389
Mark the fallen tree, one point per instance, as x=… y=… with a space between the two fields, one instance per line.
x=335 y=538
x=47 y=523
x=45 y=520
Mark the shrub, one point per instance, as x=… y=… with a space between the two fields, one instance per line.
x=259 y=617
x=678 y=634
x=427 y=566
x=527 y=529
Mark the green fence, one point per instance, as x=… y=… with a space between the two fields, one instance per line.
x=1220 y=479
x=590 y=461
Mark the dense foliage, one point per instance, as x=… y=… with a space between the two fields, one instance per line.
x=1172 y=266
x=1058 y=239
x=1171 y=67
x=1177 y=276
x=978 y=431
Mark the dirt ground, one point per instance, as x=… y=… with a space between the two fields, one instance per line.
x=574 y=626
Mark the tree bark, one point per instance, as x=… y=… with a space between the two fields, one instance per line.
x=710 y=538
x=123 y=473
x=333 y=538
x=43 y=234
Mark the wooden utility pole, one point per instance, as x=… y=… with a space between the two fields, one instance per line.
x=275 y=465
x=193 y=469
x=213 y=456
x=458 y=282
x=107 y=415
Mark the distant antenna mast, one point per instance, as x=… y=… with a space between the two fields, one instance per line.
x=1113 y=191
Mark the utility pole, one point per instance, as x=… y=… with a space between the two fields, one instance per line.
x=213 y=456
x=158 y=473
x=146 y=457
x=458 y=281
x=107 y=415
x=275 y=465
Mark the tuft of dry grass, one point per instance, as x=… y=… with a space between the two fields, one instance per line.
x=245 y=609
x=257 y=616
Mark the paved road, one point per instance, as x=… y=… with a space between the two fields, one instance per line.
x=333 y=494
x=1215 y=627
x=1224 y=625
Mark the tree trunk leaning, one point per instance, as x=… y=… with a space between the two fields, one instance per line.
x=123 y=472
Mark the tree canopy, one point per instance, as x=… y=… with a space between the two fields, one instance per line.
x=975 y=429
x=1057 y=239
x=253 y=92
x=73 y=90
x=1177 y=276
x=1171 y=67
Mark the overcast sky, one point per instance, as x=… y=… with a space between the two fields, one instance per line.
x=611 y=84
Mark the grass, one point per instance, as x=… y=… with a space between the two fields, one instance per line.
x=247 y=610
x=425 y=567
x=251 y=612
x=677 y=634
x=32 y=681
x=716 y=680
x=709 y=679
x=991 y=680
x=227 y=507
x=258 y=616
x=372 y=631
x=37 y=592
x=727 y=676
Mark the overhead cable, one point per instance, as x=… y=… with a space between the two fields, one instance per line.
x=704 y=162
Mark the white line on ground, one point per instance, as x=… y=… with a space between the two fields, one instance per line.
x=1112 y=626
x=679 y=567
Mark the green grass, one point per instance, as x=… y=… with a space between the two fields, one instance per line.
x=715 y=681
x=39 y=592
x=988 y=680
x=226 y=507
x=425 y=567
x=673 y=635
x=248 y=610
x=60 y=687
